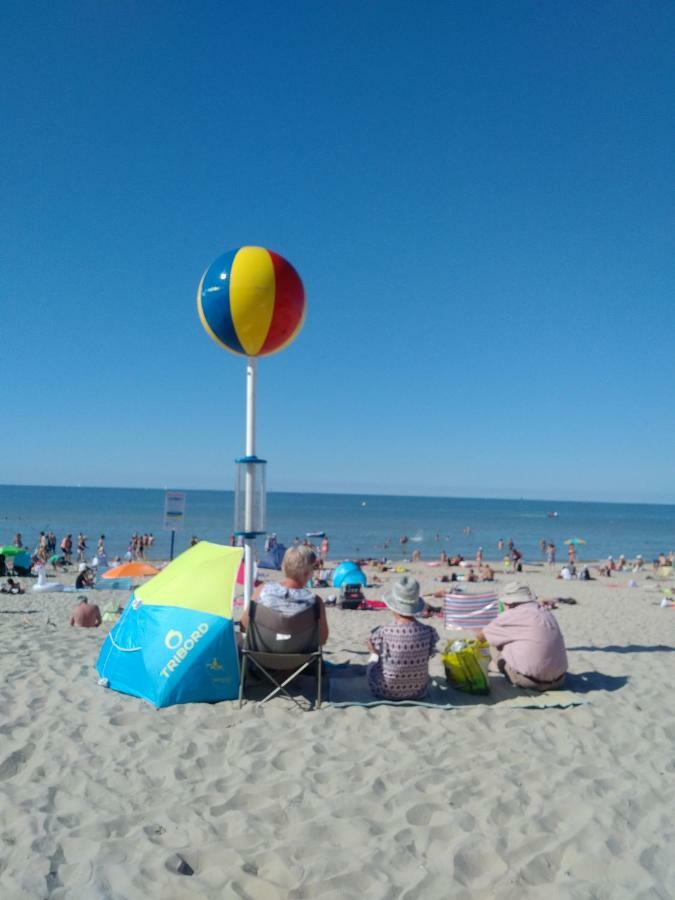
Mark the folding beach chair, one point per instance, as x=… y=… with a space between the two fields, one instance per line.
x=277 y=644
x=465 y=611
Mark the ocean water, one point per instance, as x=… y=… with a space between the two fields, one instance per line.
x=356 y=525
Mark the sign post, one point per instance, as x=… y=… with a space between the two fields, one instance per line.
x=174 y=514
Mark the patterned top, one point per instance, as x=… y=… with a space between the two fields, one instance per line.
x=288 y=601
x=402 y=670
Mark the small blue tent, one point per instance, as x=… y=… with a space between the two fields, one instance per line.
x=348 y=572
x=174 y=642
x=273 y=558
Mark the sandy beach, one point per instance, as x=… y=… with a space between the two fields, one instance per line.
x=100 y=792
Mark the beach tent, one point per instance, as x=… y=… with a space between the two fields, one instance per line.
x=175 y=640
x=273 y=558
x=23 y=561
x=348 y=572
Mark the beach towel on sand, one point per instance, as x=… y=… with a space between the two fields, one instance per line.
x=349 y=687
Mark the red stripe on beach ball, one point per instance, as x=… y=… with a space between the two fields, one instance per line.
x=289 y=305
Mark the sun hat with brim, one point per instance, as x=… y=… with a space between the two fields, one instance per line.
x=404 y=597
x=515 y=592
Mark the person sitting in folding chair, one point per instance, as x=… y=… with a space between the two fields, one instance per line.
x=286 y=626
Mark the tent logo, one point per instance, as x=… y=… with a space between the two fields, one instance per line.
x=174 y=641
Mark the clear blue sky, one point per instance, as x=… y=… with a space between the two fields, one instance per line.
x=477 y=195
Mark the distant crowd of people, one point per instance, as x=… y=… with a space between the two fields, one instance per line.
x=45 y=550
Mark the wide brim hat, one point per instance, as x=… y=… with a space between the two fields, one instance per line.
x=515 y=592
x=404 y=598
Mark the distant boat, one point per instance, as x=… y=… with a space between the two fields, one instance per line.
x=319 y=534
x=552 y=515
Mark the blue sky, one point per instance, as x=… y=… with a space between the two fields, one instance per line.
x=478 y=197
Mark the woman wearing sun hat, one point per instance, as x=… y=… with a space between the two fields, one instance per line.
x=403 y=647
x=526 y=643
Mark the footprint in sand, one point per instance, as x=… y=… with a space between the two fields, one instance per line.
x=15 y=761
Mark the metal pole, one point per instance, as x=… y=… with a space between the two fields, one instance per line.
x=249 y=543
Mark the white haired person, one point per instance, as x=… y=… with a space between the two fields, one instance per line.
x=291 y=595
x=526 y=643
x=403 y=647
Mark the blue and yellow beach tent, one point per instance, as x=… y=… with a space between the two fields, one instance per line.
x=175 y=640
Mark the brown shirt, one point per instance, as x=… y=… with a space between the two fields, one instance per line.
x=86 y=616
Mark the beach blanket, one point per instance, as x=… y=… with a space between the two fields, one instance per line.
x=347 y=688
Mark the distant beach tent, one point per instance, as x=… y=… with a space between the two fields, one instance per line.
x=175 y=640
x=348 y=572
x=22 y=559
x=273 y=558
x=575 y=541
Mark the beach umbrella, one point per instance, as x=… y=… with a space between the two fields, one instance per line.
x=131 y=570
x=11 y=550
x=575 y=541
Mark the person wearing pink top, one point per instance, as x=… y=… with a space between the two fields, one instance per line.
x=526 y=643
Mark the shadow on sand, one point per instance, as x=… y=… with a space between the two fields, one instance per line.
x=629 y=648
x=586 y=682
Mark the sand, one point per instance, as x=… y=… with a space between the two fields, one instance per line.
x=99 y=791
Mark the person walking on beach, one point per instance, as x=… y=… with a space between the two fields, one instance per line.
x=41 y=551
x=550 y=553
x=500 y=544
x=100 y=546
x=479 y=556
x=85 y=614
x=516 y=559
x=67 y=548
x=572 y=554
x=81 y=547
x=18 y=540
x=542 y=547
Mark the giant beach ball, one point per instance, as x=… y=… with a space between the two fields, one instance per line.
x=251 y=301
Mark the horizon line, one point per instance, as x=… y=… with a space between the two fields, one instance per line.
x=347 y=493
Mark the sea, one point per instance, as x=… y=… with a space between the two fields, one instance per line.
x=356 y=525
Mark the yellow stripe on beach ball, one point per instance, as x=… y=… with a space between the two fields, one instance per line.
x=252 y=293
